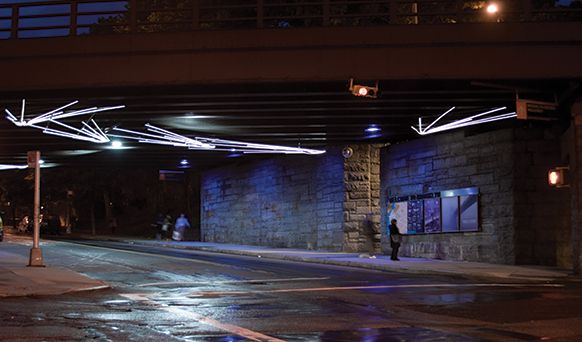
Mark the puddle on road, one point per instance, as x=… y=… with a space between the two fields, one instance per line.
x=118 y=302
x=473 y=297
x=511 y=334
x=381 y=335
x=359 y=335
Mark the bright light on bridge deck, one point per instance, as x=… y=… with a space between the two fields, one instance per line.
x=492 y=8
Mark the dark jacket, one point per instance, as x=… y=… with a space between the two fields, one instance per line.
x=395 y=235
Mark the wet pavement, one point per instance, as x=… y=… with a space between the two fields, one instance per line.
x=181 y=294
x=17 y=279
x=379 y=262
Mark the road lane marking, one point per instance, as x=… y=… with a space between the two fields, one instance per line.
x=230 y=328
x=153 y=255
x=136 y=296
x=370 y=287
x=230 y=282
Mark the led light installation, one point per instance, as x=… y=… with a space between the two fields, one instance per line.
x=89 y=131
x=24 y=166
x=476 y=119
x=12 y=167
x=156 y=135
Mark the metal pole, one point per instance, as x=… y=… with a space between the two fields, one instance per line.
x=14 y=24
x=326 y=12
x=74 y=18
x=35 y=252
x=195 y=14
x=260 y=13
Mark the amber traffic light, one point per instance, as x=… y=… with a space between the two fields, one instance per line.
x=557 y=177
x=363 y=90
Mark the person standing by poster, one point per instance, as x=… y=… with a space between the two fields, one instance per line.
x=395 y=239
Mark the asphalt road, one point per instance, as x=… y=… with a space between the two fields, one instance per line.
x=161 y=294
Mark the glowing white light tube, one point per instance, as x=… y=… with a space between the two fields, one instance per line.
x=440 y=117
x=469 y=121
x=161 y=136
x=12 y=167
x=88 y=132
x=53 y=112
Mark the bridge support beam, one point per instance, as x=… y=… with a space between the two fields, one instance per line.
x=576 y=185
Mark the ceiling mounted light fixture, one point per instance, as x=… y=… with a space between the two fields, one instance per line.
x=484 y=117
x=363 y=90
x=89 y=131
x=372 y=129
x=156 y=135
x=116 y=145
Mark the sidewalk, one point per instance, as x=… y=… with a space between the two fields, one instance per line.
x=18 y=280
x=381 y=262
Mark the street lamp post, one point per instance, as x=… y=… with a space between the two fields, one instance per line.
x=35 y=252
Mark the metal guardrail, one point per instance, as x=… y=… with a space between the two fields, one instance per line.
x=80 y=17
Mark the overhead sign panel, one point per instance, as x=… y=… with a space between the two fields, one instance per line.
x=536 y=110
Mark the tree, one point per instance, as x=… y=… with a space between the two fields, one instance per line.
x=151 y=16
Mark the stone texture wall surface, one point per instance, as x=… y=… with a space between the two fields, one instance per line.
x=362 y=200
x=522 y=220
x=451 y=161
x=575 y=163
x=285 y=201
x=542 y=213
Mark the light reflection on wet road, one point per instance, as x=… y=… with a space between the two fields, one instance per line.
x=180 y=295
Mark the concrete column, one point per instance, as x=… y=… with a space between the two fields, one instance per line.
x=576 y=184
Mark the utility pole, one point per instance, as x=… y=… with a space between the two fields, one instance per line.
x=35 y=252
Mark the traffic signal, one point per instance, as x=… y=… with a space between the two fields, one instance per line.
x=363 y=90
x=557 y=177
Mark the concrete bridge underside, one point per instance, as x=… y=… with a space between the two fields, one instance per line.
x=432 y=52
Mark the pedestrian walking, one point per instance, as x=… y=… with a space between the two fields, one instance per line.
x=157 y=226
x=373 y=232
x=165 y=227
x=113 y=224
x=180 y=228
x=395 y=239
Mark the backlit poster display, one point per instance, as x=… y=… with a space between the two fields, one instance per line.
x=450 y=214
x=469 y=213
x=399 y=211
x=446 y=211
x=432 y=215
x=415 y=217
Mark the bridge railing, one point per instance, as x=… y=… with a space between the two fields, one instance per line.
x=79 y=17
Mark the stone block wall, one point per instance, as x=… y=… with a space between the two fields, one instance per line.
x=450 y=161
x=522 y=220
x=574 y=153
x=542 y=213
x=284 y=201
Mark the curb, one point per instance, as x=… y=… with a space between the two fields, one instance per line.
x=369 y=266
